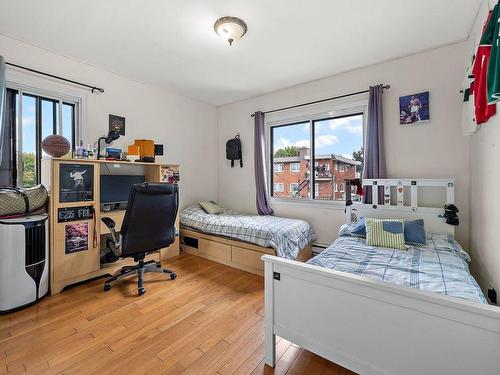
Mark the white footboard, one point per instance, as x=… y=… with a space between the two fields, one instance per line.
x=377 y=328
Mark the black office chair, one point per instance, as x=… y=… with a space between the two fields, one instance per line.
x=148 y=225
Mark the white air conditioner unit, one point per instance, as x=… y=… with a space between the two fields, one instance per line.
x=24 y=261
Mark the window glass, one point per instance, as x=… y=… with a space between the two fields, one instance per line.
x=338 y=154
x=26 y=143
x=36 y=118
x=68 y=113
x=290 y=159
x=279 y=167
x=337 y=147
x=48 y=117
x=294 y=167
x=279 y=188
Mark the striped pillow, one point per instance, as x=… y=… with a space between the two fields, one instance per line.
x=385 y=233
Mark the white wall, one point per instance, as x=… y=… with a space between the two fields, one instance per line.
x=484 y=191
x=186 y=127
x=433 y=150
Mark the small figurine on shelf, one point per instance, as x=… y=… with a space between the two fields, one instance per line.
x=81 y=152
x=91 y=152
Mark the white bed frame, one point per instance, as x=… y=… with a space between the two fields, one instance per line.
x=373 y=327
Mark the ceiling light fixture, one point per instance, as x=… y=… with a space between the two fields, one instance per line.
x=230 y=28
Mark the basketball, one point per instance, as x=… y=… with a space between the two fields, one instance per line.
x=56 y=145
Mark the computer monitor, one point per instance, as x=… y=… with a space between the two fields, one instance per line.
x=115 y=190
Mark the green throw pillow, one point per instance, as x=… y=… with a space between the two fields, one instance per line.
x=211 y=207
x=385 y=233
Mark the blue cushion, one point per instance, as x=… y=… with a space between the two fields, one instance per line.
x=415 y=232
x=394 y=227
x=359 y=229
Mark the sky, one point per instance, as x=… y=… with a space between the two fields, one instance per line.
x=339 y=136
x=29 y=117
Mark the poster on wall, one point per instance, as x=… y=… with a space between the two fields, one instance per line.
x=117 y=123
x=414 y=109
x=76 y=237
x=76 y=183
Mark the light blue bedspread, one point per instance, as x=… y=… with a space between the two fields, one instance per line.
x=439 y=266
x=287 y=236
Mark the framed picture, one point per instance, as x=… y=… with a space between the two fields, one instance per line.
x=76 y=183
x=117 y=123
x=76 y=237
x=414 y=109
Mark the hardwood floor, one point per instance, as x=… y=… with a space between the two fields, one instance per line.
x=207 y=321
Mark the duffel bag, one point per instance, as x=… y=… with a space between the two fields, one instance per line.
x=17 y=202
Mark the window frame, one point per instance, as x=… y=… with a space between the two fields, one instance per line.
x=291 y=190
x=59 y=100
x=311 y=114
x=282 y=187
x=294 y=170
x=282 y=167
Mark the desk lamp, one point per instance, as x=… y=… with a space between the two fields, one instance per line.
x=113 y=135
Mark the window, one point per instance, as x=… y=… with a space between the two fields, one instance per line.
x=279 y=167
x=291 y=144
x=335 y=143
x=294 y=189
x=35 y=117
x=279 y=187
x=294 y=167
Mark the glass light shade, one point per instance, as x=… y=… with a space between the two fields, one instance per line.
x=230 y=28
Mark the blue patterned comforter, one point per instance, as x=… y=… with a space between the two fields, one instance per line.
x=287 y=236
x=440 y=266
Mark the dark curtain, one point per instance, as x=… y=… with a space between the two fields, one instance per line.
x=5 y=131
x=2 y=106
x=263 y=206
x=374 y=153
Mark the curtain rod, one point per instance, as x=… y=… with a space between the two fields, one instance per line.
x=386 y=87
x=92 y=88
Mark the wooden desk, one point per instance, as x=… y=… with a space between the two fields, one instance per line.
x=71 y=266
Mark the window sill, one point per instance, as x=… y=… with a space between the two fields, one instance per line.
x=329 y=205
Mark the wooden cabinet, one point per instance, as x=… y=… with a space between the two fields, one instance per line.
x=75 y=243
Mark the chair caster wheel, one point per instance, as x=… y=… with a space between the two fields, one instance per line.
x=142 y=291
x=173 y=275
x=107 y=287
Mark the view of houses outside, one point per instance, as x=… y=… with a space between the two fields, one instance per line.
x=337 y=146
x=292 y=175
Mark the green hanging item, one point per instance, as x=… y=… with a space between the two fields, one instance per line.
x=493 y=75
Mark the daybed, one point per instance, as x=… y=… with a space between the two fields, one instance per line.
x=239 y=240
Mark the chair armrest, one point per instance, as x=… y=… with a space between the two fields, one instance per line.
x=110 y=223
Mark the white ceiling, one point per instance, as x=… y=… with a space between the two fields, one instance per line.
x=171 y=43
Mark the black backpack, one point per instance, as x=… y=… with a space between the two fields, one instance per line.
x=233 y=150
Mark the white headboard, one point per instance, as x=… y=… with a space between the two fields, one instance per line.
x=398 y=206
